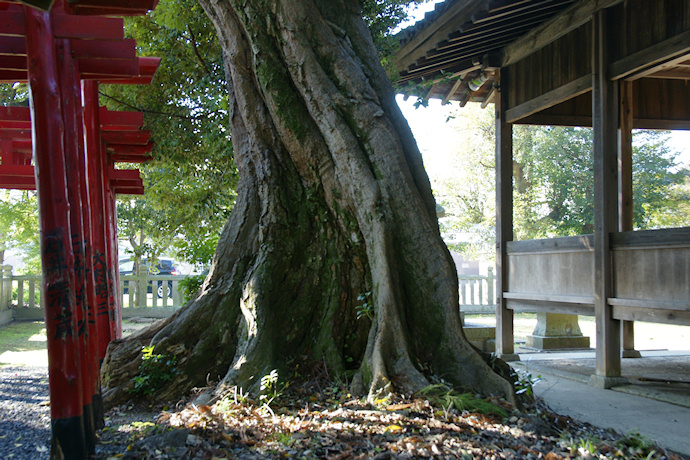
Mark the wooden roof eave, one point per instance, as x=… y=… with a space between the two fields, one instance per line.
x=437 y=31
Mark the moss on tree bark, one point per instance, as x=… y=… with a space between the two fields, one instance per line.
x=333 y=202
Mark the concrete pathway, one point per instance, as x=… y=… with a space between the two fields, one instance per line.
x=566 y=392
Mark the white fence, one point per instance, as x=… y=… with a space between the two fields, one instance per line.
x=477 y=293
x=20 y=295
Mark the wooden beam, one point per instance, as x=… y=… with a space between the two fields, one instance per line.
x=549 y=99
x=652 y=315
x=605 y=124
x=552 y=245
x=652 y=239
x=127 y=137
x=104 y=49
x=625 y=193
x=453 y=89
x=505 y=347
x=651 y=59
x=550 y=307
x=549 y=32
x=489 y=97
x=114 y=118
x=15 y=113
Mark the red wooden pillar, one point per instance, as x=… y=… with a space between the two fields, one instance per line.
x=96 y=168
x=111 y=245
x=65 y=381
x=70 y=91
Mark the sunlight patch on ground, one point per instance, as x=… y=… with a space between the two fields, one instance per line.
x=35 y=358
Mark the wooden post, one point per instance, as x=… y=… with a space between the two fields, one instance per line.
x=605 y=124
x=111 y=255
x=70 y=94
x=64 y=360
x=96 y=166
x=625 y=194
x=504 y=221
x=6 y=288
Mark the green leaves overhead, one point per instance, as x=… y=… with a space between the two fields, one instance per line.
x=190 y=184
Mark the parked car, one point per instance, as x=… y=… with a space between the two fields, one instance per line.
x=163 y=267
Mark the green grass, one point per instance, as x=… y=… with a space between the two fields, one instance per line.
x=23 y=336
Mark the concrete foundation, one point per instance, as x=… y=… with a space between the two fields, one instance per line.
x=556 y=331
x=482 y=337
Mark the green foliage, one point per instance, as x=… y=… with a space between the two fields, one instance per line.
x=383 y=17
x=19 y=227
x=366 y=308
x=448 y=398
x=190 y=185
x=466 y=187
x=554 y=182
x=190 y=286
x=154 y=371
x=635 y=444
x=270 y=388
x=524 y=384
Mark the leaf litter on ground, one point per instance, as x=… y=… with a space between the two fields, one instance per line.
x=318 y=421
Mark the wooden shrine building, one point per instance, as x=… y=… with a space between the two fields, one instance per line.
x=613 y=65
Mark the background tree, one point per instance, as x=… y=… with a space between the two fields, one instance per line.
x=19 y=227
x=19 y=209
x=190 y=183
x=553 y=182
x=333 y=205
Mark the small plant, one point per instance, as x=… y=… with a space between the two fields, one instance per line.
x=581 y=446
x=190 y=286
x=635 y=443
x=524 y=384
x=446 y=397
x=366 y=309
x=269 y=388
x=154 y=371
x=232 y=401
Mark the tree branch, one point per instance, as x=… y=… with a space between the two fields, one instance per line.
x=139 y=109
x=196 y=50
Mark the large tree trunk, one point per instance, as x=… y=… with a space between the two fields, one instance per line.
x=333 y=203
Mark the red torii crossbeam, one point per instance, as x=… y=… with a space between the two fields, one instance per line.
x=75 y=144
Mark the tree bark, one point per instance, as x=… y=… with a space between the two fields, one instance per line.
x=333 y=203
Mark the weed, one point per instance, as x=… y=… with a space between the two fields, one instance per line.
x=366 y=309
x=524 y=384
x=634 y=443
x=582 y=446
x=448 y=398
x=270 y=390
x=154 y=371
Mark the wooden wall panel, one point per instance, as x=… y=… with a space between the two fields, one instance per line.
x=639 y=24
x=661 y=104
x=657 y=104
x=551 y=67
x=560 y=266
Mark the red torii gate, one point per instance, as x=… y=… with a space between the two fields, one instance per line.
x=63 y=55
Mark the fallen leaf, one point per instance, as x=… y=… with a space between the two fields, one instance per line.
x=393 y=428
x=398 y=406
